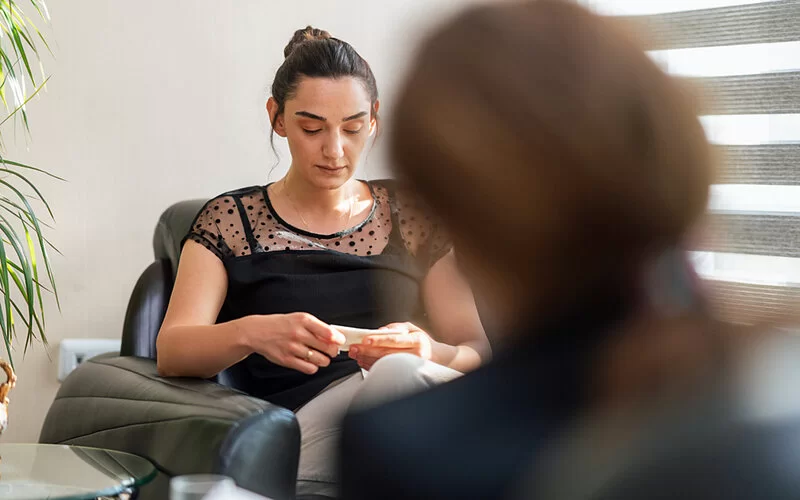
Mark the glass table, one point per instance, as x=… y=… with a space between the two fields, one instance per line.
x=35 y=471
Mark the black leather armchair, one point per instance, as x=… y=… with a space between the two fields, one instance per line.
x=183 y=426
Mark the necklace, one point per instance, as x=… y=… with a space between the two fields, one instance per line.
x=300 y=214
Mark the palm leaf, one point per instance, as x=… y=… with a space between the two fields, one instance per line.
x=20 y=260
x=29 y=280
x=6 y=318
x=35 y=282
x=22 y=165
x=26 y=265
x=21 y=107
x=32 y=186
x=38 y=232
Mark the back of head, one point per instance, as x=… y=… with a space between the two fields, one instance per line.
x=561 y=157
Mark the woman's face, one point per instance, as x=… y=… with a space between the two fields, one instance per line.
x=327 y=124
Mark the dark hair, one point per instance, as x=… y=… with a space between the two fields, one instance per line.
x=316 y=54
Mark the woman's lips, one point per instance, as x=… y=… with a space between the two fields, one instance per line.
x=329 y=168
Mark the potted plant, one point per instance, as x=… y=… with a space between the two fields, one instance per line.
x=25 y=270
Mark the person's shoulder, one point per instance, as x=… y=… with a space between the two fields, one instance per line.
x=240 y=193
x=393 y=186
x=382 y=183
x=230 y=198
x=401 y=195
x=385 y=187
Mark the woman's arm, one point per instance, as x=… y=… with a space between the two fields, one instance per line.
x=459 y=339
x=190 y=344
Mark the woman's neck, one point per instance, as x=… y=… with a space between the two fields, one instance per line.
x=314 y=201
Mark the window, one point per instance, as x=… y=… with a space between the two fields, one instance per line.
x=746 y=53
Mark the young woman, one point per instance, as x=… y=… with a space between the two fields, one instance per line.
x=266 y=270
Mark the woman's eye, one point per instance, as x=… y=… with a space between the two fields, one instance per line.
x=352 y=132
x=311 y=132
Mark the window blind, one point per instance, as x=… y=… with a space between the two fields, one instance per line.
x=745 y=57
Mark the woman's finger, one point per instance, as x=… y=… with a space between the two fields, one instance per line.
x=309 y=355
x=323 y=331
x=375 y=352
x=400 y=340
x=298 y=364
x=309 y=339
x=403 y=327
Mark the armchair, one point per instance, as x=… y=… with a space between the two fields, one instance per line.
x=182 y=425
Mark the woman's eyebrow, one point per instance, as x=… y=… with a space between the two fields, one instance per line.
x=323 y=119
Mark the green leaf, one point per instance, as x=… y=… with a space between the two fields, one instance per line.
x=31 y=334
x=32 y=186
x=28 y=266
x=29 y=279
x=22 y=165
x=41 y=9
x=22 y=315
x=21 y=107
x=15 y=32
x=38 y=232
x=20 y=40
x=5 y=313
x=19 y=270
x=25 y=221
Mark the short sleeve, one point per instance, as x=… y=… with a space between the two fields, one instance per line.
x=216 y=226
x=439 y=244
x=423 y=233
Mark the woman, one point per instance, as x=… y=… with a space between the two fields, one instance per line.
x=265 y=271
x=583 y=163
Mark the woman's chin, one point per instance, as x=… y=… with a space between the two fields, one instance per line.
x=328 y=178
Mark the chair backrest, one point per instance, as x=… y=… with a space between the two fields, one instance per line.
x=172 y=227
x=148 y=302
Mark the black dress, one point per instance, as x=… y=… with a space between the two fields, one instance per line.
x=366 y=277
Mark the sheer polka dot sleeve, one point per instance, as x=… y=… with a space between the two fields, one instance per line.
x=214 y=225
x=438 y=245
x=423 y=233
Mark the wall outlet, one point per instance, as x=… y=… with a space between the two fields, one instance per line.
x=73 y=352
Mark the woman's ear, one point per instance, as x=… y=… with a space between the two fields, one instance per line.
x=373 y=121
x=275 y=119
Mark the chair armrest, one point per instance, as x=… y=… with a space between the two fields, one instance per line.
x=182 y=425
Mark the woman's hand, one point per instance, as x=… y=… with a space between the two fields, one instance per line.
x=298 y=340
x=413 y=340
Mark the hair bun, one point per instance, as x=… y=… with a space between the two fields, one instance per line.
x=304 y=35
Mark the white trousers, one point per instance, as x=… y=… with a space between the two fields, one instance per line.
x=391 y=377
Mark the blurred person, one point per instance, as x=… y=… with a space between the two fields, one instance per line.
x=266 y=270
x=569 y=169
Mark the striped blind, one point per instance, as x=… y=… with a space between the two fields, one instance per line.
x=745 y=55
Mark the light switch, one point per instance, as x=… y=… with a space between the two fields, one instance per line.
x=73 y=352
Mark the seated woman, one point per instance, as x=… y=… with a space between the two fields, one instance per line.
x=266 y=270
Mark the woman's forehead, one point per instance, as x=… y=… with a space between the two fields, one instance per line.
x=333 y=98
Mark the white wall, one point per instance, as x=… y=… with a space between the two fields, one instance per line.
x=155 y=101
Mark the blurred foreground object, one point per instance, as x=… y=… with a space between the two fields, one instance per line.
x=736 y=437
x=567 y=165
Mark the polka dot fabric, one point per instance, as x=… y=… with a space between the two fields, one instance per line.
x=243 y=222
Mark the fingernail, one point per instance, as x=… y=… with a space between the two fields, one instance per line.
x=368 y=341
x=353 y=351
